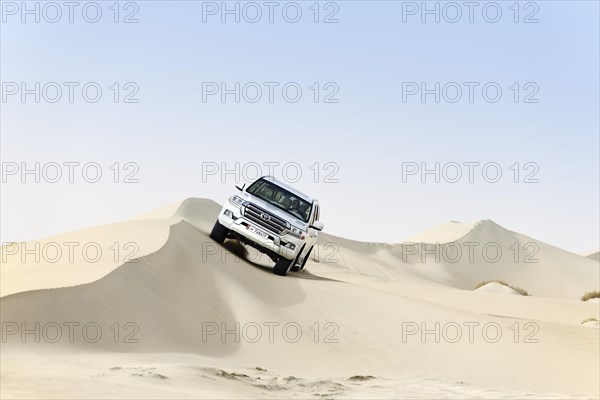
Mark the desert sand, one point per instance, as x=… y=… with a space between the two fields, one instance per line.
x=595 y=255
x=164 y=312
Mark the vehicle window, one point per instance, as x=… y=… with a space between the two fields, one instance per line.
x=281 y=198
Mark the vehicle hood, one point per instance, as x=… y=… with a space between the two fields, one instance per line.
x=272 y=209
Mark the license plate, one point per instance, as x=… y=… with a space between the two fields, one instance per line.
x=258 y=232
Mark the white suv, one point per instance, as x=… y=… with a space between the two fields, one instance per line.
x=274 y=218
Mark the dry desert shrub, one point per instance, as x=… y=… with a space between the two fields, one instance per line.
x=594 y=294
x=588 y=320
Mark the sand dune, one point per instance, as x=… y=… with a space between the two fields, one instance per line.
x=486 y=251
x=594 y=255
x=495 y=287
x=78 y=257
x=188 y=318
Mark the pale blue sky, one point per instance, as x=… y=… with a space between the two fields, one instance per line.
x=369 y=133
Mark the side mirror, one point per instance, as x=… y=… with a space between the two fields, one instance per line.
x=240 y=188
x=318 y=225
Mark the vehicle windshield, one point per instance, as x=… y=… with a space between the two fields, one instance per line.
x=281 y=198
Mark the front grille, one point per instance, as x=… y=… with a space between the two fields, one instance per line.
x=264 y=218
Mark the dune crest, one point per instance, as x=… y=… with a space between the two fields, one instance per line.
x=495 y=287
x=354 y=323
x=595 y=255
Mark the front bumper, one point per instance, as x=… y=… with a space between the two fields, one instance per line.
x=285 y=245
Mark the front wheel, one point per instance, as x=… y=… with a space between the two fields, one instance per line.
x=283 y=265
x=219 y=233
x=301 y=267
x=298 y=267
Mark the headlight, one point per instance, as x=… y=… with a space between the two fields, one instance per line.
x=237 y=201
x=297 y=232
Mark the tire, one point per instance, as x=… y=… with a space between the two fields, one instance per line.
x=219 y=233
x=296 y=267
x=305 y=259
x=283 y=265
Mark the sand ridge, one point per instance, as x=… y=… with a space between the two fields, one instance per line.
x=363 y=319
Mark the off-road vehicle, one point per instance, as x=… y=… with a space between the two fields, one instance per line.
x=274 y=218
